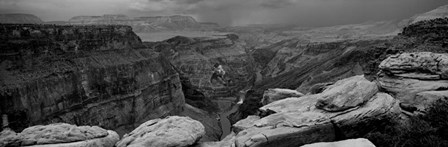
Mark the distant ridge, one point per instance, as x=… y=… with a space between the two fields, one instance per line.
x=146 y=23
x=19 y=18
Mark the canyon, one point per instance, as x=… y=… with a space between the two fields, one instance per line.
x=282 y=88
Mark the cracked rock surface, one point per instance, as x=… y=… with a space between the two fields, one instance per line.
x=171 y=131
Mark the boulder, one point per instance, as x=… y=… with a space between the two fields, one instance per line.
x=418 y=62
x=9 y=138
x=360 y=142
x=168 y=132
x=417 y=79
x=347 y=93
x=424 y=100
x=300 y=121
x=276 y=94
x=61 y=135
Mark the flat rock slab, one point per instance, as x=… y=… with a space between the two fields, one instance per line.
x=275 y=94
x=60 y=135
x=360 y=142
x=171 y=131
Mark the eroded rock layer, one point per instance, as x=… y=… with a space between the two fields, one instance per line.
x=84 y=75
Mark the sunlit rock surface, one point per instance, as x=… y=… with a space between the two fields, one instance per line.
x=276 y=94
x=62 y=135
x=171 y=131
x=417 y=79
x=300 y=121
x=360 y=142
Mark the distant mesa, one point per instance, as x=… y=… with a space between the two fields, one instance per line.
x=18 y=18
x=145 y=24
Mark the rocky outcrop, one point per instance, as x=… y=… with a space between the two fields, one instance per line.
x=417 y=79
x=20 y=19
x=276 y=94
x=300 y=121
x=62 y=135
x=194 y=58
x=213 y=130
x=168 y=132
x=84 y=75
x=144 y=24
x=360 y=142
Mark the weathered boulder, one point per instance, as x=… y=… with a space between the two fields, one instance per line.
x=347 y=93
x=171 y=131
x=417 y=79
x=424 y=65
x=275 y=94
x=61 y=134
x=360 y=142
x=9 y=138
x=300 y=121
x=245 y=123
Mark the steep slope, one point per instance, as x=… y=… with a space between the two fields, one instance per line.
x=84 y=75
x=20 y=19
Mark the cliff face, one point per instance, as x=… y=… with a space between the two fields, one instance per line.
x=20 y=19
x=84 y=75
x=144 y=24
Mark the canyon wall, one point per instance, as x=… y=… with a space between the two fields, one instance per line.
x=145 y=24
x=84 y=75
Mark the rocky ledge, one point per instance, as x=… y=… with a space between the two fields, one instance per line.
x=59 y=135
x=417 y=79
x=349 y=108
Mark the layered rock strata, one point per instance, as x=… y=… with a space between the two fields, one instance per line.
x=84 y=75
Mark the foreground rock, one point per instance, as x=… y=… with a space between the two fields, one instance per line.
x=417 y=79
x=361 y=142
x=63 y=135
x=171 y=131
x=276 y=94
x=322 y=117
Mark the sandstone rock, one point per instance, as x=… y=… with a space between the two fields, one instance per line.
x=360 y=142
x=276 y=94
x=346 y=94
x=423 y=62
x=298 y=121
x=245 y=123
x=60 y=135
x=9 y=138
x=171 y=131
x=424 y=100
x=107 y=141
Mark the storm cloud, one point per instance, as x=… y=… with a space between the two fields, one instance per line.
x=232 y=12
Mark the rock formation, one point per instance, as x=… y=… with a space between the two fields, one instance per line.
x=171 y=131
x=360 y=142
x=304 y=120
x=84 y=75
x=276 y=94
x=20 y=19
x=417 y=79
x=145 y=24
x=61 y=135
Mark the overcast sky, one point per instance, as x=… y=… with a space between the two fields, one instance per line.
x=232 y=12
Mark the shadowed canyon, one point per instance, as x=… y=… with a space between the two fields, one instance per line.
x=163 y=81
